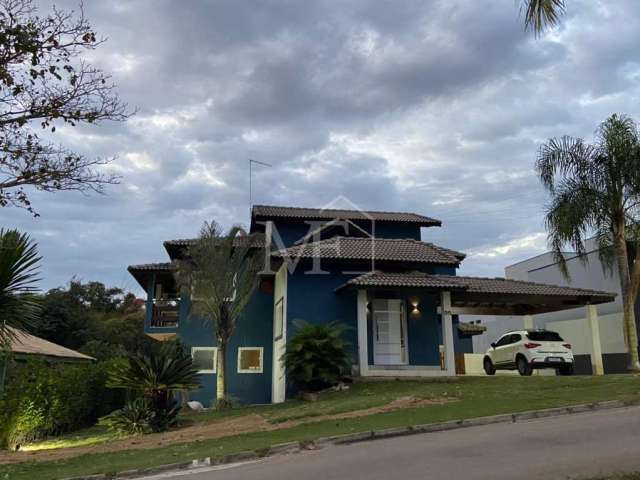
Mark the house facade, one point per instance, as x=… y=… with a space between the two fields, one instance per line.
x=398 y=295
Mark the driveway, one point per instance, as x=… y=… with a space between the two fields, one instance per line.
x=553 y=448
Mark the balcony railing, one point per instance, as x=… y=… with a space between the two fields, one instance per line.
x=165 y=312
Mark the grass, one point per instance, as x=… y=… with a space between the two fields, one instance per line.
x=81 y=438
x=476 y=397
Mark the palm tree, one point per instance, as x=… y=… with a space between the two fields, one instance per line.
x=540 y=14
x=220 y=273
x=18 y=275
x=19 y=261
x=595 y=189
x=157 y=377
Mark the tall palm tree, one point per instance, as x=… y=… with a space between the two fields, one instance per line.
x=595 y=189
x=19 y=261
x=540 y=14
x=220 y=273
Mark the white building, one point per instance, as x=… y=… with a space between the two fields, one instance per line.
x=571 y=324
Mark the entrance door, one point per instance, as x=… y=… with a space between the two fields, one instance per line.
x=389 y=332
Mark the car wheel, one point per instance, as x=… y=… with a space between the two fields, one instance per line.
x=566 y=370
x=489 y=369
x=524 y=368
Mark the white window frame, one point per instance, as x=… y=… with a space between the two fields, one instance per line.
x=215 y=358
x=259 y=370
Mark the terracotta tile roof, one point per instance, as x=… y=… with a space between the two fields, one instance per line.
x=409 y=279
x=24 y=343
x=505 y=285
x=186 y=242
x=382 y=249
x=470 y=284
x=270 y=211
x=151 y=267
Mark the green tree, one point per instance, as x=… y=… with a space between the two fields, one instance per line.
x=98 y=320
x=45 y=82
x=595 y=189
x=220 y=273
x=541 y=14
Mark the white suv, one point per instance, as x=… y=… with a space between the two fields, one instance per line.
x=524 y=350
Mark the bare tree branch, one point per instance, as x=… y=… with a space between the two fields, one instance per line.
x=45 y=82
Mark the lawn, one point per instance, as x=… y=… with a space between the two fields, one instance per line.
x=465 y=397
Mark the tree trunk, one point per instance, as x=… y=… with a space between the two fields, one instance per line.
x=629 y=318
x=4 y=360
x=220 y=371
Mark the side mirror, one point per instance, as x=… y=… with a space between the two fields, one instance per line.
x=493 y=345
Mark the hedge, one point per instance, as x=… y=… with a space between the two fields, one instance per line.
x=42 y=399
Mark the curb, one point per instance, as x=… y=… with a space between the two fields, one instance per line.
x=350 y=438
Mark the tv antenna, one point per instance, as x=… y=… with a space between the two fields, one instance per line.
x=251 y=162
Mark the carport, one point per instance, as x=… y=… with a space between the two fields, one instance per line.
x=477 y=296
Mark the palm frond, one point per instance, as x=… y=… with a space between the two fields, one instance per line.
x=19 y=261
x=220 y=273
x=571 y=217
x=542 y=14
x=565 y=156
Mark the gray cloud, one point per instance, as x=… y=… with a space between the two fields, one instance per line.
x=435 y=107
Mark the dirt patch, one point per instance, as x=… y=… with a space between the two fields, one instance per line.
x=207 y=431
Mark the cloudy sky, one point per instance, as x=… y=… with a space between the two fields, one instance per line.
x=436 y=107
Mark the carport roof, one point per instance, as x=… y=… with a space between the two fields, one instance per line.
x=486 y=295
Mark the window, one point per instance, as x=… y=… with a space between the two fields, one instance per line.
x=204 y=359
x=503 y=341
x=515 y=338
x=544 y=336
x=250 y=359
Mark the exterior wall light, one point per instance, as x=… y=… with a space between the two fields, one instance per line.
x=415 y=310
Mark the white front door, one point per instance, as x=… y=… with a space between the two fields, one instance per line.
x=389 y=332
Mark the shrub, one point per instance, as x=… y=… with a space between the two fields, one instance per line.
x=157 y=377
x=42 y=400
x=317 y=356
x=135 y=418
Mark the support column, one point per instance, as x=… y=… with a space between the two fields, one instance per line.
x=447 y=334
x=596 y=347
x=527 y=321
x=363 y=354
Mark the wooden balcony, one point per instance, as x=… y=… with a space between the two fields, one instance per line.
x=165 y=312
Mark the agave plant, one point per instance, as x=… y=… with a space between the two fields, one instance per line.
x=19 y=261
x=135 y=418
x=157 y=377
x=317 y=356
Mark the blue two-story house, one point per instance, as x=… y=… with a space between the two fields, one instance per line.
x=399 y=296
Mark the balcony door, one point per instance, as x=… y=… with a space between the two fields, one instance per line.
x=389 y=332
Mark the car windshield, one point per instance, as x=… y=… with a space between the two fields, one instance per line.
x=544 y=336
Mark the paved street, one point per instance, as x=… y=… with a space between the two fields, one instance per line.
x=553 y=448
